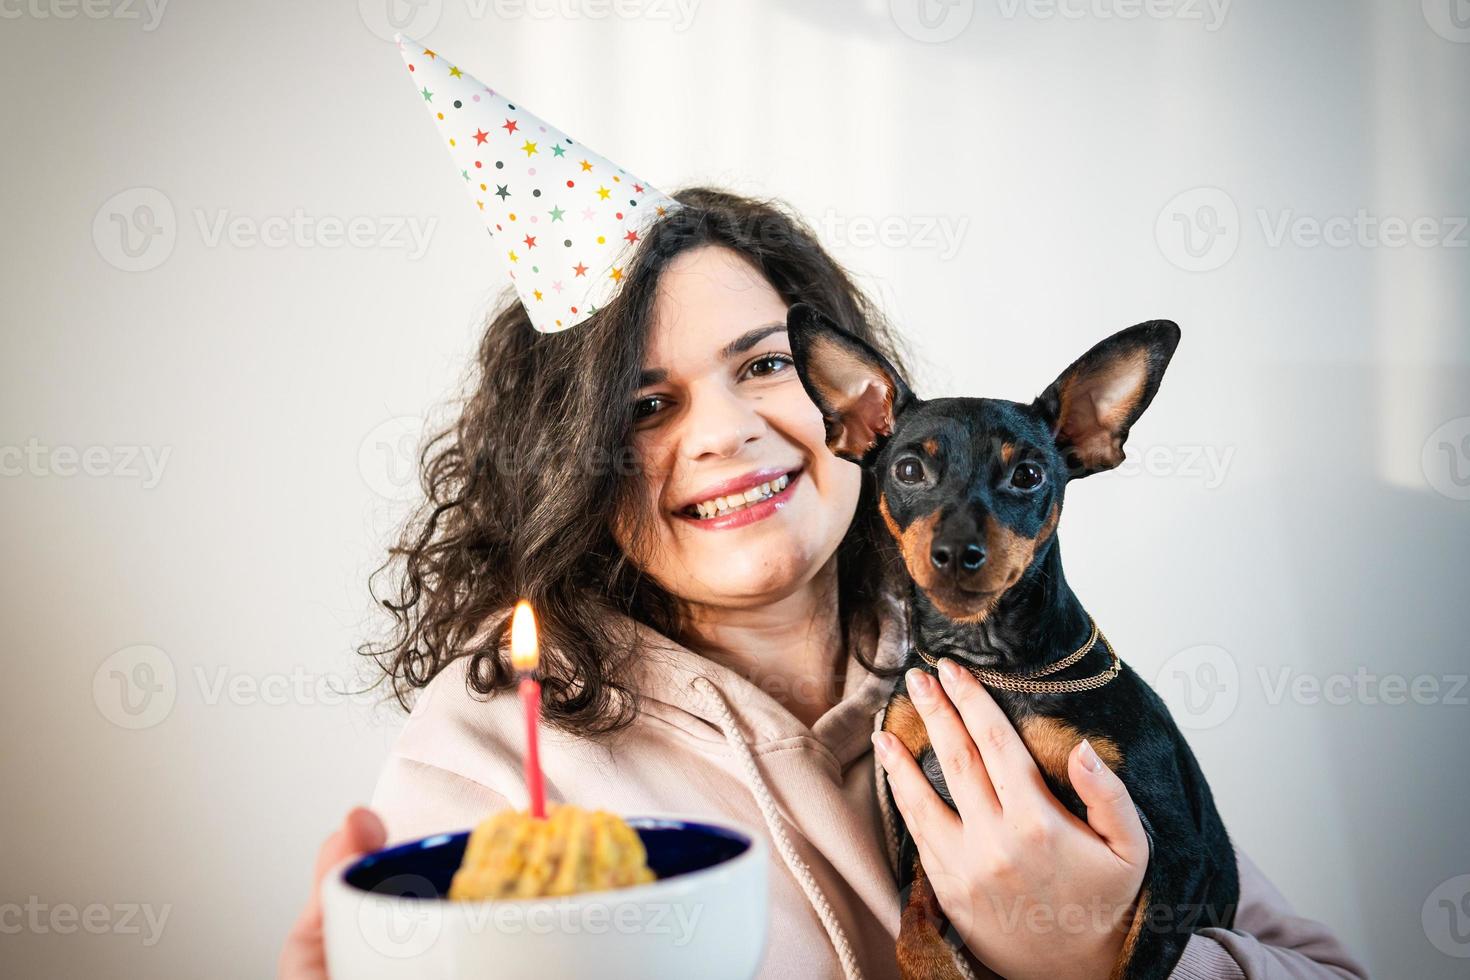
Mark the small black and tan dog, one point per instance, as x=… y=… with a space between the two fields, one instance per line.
x=971 y=490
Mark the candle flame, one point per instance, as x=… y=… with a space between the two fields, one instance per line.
x=524 y=652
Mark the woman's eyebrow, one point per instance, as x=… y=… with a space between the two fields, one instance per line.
x=739 y=345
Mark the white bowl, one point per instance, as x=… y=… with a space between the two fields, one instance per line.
x=385 y=915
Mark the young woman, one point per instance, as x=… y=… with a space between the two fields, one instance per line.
x=729 y=665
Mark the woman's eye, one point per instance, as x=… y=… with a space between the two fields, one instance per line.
x=644 y=407
x=1027 y=476
x=773 y=359
x=909 y=470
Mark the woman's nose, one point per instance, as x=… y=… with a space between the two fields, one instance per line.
x=718 y=422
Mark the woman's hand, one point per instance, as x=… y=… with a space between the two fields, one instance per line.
x=304 y=957
x=1032 y=890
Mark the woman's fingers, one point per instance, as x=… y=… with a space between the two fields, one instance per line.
x=1014 y=777
x=964 y=771
x=1110 y=810
x=934 y=825
x=302 y=957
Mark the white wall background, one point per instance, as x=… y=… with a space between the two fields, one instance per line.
x=1302 y=513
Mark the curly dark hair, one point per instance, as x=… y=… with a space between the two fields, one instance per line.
x=523 y=487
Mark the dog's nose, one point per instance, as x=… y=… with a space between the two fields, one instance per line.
x=971 y=556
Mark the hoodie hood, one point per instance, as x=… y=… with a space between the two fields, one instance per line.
x=715 y=702
x=664 y=675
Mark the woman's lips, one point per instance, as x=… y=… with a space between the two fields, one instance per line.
x=750 y=513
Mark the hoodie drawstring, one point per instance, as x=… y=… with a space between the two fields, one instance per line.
x=756 y=783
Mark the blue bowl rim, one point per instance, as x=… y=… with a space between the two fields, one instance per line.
x=637 y=823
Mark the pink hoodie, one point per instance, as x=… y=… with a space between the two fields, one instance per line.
x=707 y=741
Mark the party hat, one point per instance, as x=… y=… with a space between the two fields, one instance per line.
x=563 y=219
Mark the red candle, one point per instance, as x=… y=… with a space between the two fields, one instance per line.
x=531 y=700
x=524 y=656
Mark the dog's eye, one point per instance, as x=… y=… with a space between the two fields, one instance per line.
x=1027 y=476
x=908 y=470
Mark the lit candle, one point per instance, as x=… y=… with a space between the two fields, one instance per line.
x=525 y=654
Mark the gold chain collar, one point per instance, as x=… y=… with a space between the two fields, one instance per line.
x=1027 y=683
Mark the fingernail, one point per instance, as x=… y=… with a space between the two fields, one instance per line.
x=880 y=744
x=920 y=683
x=949 y=671
x=1090 y=761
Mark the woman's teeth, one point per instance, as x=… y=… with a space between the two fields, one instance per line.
x=720 y=506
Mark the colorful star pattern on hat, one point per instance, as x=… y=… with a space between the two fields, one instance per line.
x=563 y=219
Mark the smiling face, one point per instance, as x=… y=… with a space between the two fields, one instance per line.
x=748 y=502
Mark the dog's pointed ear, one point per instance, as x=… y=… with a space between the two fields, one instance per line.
x=858 y=392
x=1095 y=402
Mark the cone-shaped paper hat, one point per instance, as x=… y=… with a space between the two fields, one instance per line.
x=563 y=219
